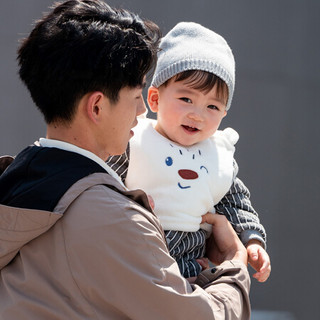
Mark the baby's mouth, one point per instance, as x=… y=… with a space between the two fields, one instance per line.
x=190 y=129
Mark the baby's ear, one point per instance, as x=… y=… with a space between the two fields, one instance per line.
x=153 y=98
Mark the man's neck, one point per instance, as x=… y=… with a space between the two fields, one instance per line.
x=78 y=135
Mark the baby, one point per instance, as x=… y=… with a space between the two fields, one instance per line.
x=182 y=160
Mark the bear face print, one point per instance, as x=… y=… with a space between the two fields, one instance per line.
x=183 y=164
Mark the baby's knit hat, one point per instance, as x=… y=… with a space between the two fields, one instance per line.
x=190 y=46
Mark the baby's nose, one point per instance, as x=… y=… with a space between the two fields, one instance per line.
x=187 y=174
x=196 y=116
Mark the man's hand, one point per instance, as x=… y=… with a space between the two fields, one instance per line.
x=224 y=243
x=259 y=260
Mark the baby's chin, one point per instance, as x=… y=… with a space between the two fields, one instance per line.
x=184 y=139
x=185 y=142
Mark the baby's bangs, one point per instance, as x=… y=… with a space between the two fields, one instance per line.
x=204 y=81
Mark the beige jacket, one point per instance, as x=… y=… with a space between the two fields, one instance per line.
x=101 y=255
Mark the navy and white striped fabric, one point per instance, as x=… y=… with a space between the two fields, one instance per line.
x=185 y=248
x=120 y=164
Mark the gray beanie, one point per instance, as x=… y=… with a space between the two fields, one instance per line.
x=190 y=46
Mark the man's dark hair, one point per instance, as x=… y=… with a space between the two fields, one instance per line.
x=84 y=46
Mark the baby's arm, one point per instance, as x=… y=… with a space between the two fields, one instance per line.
x=120 y=164
x=237 y=208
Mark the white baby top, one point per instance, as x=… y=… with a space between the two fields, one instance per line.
x=185 y=182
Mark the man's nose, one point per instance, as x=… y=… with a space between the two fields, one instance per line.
x=188 y=174
x=141 y=107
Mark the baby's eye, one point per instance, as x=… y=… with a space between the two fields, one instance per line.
x=185 y=99
x=213 y=107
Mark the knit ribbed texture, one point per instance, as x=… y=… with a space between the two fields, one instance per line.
x=190 y=46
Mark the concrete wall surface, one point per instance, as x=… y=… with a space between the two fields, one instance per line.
x=275 y=110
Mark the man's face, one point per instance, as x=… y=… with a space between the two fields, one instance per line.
x=186 y=115
x=119 y=118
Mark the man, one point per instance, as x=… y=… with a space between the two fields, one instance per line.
x=75 y=243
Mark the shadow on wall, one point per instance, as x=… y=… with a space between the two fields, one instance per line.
x=272 y=315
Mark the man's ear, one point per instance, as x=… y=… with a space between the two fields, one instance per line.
x=94 y=105
x=153 y=99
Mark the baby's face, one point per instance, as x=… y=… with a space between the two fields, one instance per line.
x=186 y=115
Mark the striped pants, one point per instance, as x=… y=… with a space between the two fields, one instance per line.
x=185 y=248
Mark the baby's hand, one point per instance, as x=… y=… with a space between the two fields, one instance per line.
x=151 y=202
x=259 y=260
x=204 y=263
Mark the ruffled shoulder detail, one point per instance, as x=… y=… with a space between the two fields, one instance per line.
x=228 y=135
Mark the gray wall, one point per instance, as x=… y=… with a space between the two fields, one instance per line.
x=275 y=110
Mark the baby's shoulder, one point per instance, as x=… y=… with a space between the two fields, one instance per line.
x=228 y=135
x=145 y=124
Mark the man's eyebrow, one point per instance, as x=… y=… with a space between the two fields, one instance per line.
x=143 y=85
